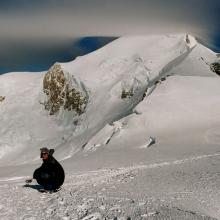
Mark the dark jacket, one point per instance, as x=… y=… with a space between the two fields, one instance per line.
x=50 y=174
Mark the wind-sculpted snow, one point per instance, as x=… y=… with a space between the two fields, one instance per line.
x=197 y=63
x=103 y=137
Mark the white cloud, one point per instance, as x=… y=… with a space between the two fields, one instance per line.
x=69 y=19
x=59 y=21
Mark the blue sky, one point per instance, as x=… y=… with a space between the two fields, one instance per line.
x=35 y=34
x=35 y=56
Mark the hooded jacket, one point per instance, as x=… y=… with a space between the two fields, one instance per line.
x=50 y=173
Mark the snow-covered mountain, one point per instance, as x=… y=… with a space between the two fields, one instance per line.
x=67 y=107
x=138 y=100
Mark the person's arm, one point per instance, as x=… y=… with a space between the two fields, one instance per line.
x=29 y=180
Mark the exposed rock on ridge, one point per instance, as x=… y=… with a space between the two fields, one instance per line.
x=63 y=91
x=215 y=67
x=2 y=98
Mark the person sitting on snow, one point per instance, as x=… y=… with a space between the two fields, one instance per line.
x=50 y=174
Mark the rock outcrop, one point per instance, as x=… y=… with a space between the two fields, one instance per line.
x=63 y=91
x=2 y=98
x=127 y=93
x=215 y=67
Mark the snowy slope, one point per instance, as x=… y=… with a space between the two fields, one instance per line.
x=127 y=64
x=114 y=79
x=197 y=63
x=99 y=112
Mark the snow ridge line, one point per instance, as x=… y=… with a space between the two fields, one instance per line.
x=175 y=162
x=176 y=61
x=105 y=175
x=13 y=179
x=148 y=166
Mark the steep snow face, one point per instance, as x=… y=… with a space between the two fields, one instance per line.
x=19 y=113
x=197 y=63
x=68 y=105
x=118 y=75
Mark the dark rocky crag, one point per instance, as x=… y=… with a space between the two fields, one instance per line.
x=2 y=98
x=58 y=86
x=215 y=67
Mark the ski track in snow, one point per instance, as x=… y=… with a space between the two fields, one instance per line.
x=85 y=196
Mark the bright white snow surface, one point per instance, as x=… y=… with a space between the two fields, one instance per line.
x=112 y=168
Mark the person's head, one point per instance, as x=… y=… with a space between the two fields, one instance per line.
x=44 y=154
